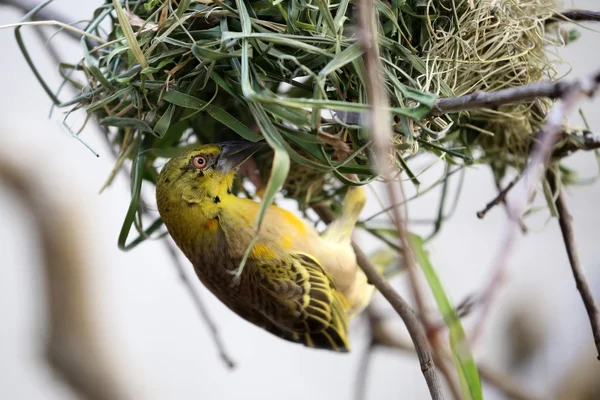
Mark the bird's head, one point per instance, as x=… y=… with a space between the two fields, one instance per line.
x=206 y=171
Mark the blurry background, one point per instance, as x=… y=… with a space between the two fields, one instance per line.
x=537 y=332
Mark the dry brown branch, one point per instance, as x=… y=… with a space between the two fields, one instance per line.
x=498 y=199
x=565 y=221
x=572 y=94
x=481 y=99
x=575 y=15
x=380 y=124
x=199 y=305
x=73 y=349
x=502 y=97
x=400 y=305
x=585 y=141
x=381 y=337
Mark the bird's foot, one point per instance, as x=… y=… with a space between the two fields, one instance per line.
x=237 y=275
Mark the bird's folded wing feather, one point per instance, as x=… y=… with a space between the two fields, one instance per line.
x=298 y=296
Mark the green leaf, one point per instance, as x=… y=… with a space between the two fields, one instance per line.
x=92 y=66
x=137 y=172
x=350 y=54
x=463 y=359
x=129 y=35
x=123 y=122
x=202 y=54
x=163 y=124
x=187 y=101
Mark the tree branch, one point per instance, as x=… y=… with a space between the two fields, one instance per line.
x=499 y=380
x=74 y=348
x=584 y=140
x=575 y=15
x=565 y=221
x=501 y=97
x=535 y=168
x=481 y=99
x=501 y=198
x=400 y=305
x=381 y=131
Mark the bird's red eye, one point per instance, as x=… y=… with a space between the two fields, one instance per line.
x=199 y=162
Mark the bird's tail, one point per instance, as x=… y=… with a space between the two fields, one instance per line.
x=340 y=230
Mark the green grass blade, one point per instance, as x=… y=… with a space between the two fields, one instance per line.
x=123 y=122
x=203 y=54
x=463 y=359
x=350 y=54
x=137 y=172
x=26 y=55
x=187 y=101
x=129 y=35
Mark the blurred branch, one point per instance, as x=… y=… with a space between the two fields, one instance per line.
x=502 y=97
x=212 y=327
x=584 y=140
x=565 y=221
x=481 y=99
x=381 y=337
x=575 y=15
x=400 y=305
x=572 y=94
x=381 y=131
x=501 y=198
x=47 y=13
x=74 y=349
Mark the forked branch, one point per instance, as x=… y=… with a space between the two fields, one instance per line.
x=542 y=150
x=566 y=226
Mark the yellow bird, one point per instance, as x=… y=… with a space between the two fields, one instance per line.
x=299 y=285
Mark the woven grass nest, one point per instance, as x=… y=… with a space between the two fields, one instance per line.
x=168 y=74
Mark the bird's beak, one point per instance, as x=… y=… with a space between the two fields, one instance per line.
x=235 y=153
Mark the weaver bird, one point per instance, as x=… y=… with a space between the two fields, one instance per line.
x=299 y=285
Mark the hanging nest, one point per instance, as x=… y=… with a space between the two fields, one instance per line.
x=495 y=45
x=165 y=75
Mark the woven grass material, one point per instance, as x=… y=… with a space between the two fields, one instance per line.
x=496 y=45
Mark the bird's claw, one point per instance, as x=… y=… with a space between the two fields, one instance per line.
x=237 y=275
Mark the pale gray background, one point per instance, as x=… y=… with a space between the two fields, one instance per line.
x=151 y=323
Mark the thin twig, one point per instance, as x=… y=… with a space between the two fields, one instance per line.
x=504 y=383
x=501 y=97
x=199 y=304
x=531 y=176
x=584 y=140
x=498 y=199
x=381 y=130
x=400 y=305
x=575 y=15
x=565 y=221
x=409 y=318
x=482 y=99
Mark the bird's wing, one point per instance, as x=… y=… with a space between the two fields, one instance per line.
x=298 y=296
